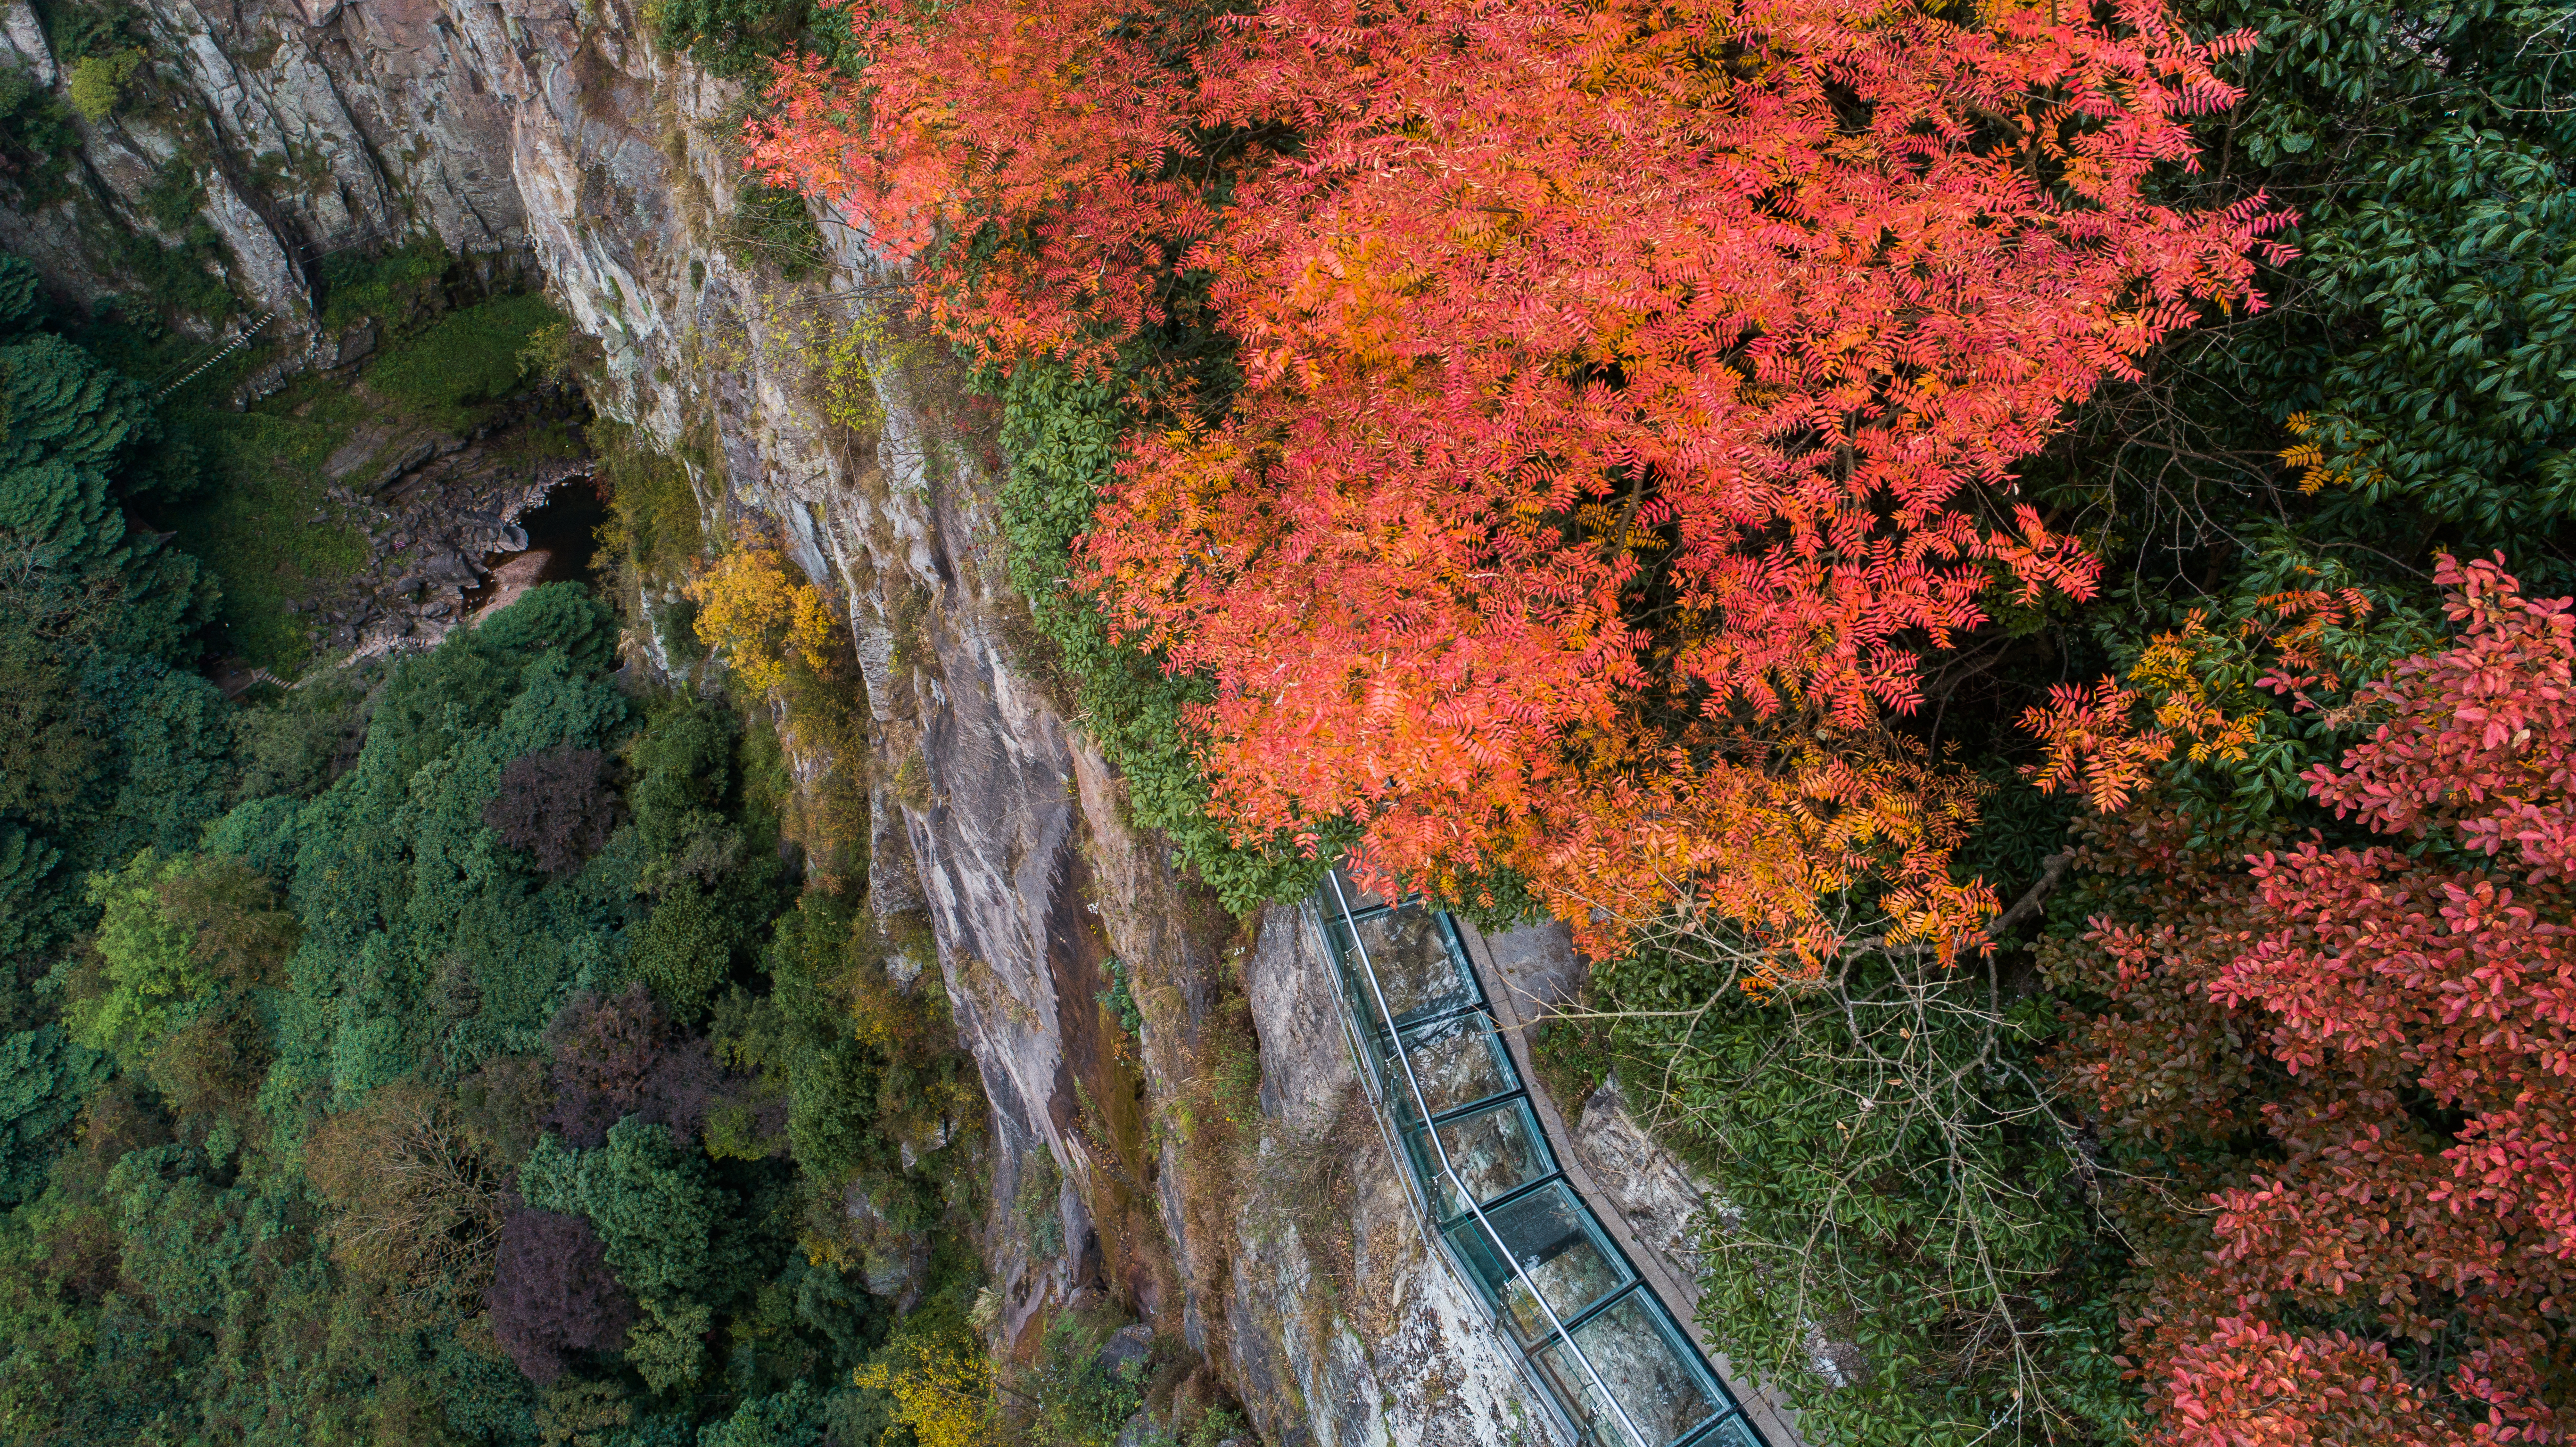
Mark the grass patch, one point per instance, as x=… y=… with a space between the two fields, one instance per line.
x=1075 y=1399
x=459 y=364
x=393 y=288
x=253 y=523
x=1039 y=1206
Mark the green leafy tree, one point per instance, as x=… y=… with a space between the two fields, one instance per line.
x=735 y=37
x=717 y=887
x=299 y=742
x=684 y=772
x=2422 y=352
x=21 y=289
x=1902 y=1246
x=561 y=617
x=2413 y=381
x=107 y=744
x=864 y=1070
x=153 y=981
x=37 y=145
x=792 y=1418
x=97 y=83
x=657 y=1213
x=72 y=427
x=187 y=1242
x=683 y=949
x=45 y=1077
x=32 y=911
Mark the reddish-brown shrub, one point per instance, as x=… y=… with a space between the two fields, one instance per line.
x=619 y=1055
x=2352 y=1067
x=556 y=804
x=552 y=1293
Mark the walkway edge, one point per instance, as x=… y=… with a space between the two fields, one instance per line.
x=1513 y=1024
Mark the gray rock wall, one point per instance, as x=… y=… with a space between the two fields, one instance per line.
x=312 y=127
x=1404 y=1356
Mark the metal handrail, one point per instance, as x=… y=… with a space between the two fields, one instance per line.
x=1426 y=1219
x=1395 y=1041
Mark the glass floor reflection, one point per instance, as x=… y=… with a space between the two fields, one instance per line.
x=1596 y=1338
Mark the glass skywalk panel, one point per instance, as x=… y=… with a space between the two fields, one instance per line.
x=1494 y=1152
x=1458 y=1062
x=1733 y=1432
x=1522 y=1236
x=1419 y=967
x=1643 y=1361
x=1559 y=1249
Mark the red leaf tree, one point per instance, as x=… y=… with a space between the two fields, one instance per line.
x=2408 y=1237
x=1629 y=397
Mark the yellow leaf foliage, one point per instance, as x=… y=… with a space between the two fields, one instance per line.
x=2109 y=738
x=943 y=1390
x=2316 y=473
x=2191 y=714
x=841 y=356
x=761 y=618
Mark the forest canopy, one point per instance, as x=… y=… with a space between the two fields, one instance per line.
x=360 y=1058
x=442 y=1049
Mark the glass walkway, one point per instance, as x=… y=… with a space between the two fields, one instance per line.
x=1602 y=1347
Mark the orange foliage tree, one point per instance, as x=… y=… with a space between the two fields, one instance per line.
x=1628 y=392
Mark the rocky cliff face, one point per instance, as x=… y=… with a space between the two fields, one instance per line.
x=555 y=133
x=311 y=127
